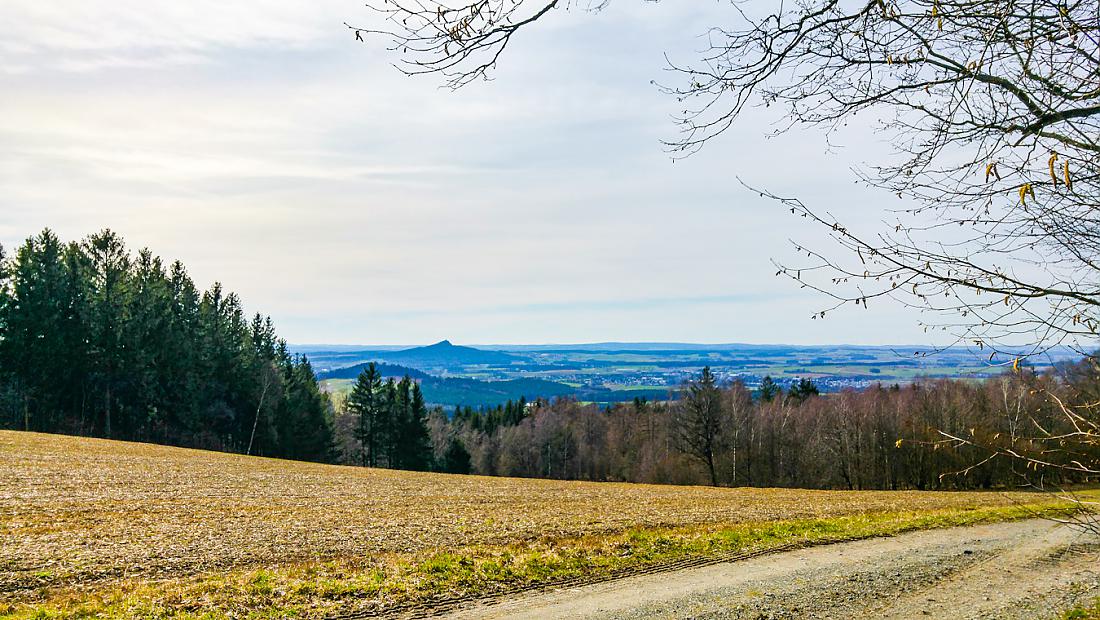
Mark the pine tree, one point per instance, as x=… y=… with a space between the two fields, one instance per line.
x=8 y=398
x=365 y=400
x=92 y=341
x=769 y=389
x=388 y=424
x=182 y=342
x=416 y=445
x=400 y=416
x=109 y=287
x=147 y=323
x=267 y=383
x=804 y=389
x=73 y=382
x=456 y=460
x=35 y=324
x=310 y=431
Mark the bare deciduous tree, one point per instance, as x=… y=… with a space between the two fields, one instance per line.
x=993 y=105
x=993 y=108
x=700 y=422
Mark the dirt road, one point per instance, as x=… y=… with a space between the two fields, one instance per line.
x=1026 y=569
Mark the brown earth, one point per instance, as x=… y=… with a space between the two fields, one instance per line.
x=76 y=511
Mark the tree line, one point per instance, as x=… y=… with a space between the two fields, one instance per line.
x=390 y=428
x=95 y=340
x=883 y=437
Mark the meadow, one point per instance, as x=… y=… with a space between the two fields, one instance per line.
x=128 y=530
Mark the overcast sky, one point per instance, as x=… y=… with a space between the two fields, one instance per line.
x=256 y=141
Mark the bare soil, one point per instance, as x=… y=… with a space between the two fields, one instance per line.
x=75 y=511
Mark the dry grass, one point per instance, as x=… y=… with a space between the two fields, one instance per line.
x=78 y=514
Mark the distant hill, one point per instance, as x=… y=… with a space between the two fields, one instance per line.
x=475 y=393
x=451 y=391
x=440 y=356
x=616 y=372
x=444 y=354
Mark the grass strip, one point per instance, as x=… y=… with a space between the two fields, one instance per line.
x=349 y=587
x=1082 y=612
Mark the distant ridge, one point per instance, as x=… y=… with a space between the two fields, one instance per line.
x=386 y=370
x=443 y=353
x=622 y=372
x=452 y=391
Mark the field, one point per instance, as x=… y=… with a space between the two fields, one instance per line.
x=453 y=375
x=134 y=530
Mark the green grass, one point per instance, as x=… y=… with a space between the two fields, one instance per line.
x=1090 y=612
x=372 y=584
x=338 y=386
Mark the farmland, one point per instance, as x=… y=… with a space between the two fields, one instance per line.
x=615 y=372
x=136 y=530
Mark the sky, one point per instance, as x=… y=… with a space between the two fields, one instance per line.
x=259 y=143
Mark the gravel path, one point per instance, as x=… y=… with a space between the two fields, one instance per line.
x=1025 y=569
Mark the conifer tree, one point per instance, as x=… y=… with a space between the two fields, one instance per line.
x=802 y=390
x=94 y=342
x=401 y=415
x=109 y=287
x=456 y=460
x=147 y=324
x=415 y=444
x=310 y=436
x=365 y=400
x=769 y=389
x=388 y=423
x=33 y=348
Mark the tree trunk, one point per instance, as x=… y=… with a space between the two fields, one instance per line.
x=259 y=408
x=735 y=461
x=107 y=413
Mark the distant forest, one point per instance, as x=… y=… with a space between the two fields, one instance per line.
x=884 y=437
x=96 y=340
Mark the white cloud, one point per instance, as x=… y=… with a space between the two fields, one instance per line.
x=73 y=35
x=258 y=143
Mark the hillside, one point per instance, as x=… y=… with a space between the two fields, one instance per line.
x=613 y=372
x=130 y=530
x=452 y=391
x=444 y=354
x=476 y=393
x=386 y=370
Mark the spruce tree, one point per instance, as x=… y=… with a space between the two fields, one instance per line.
x=93 y=342
x=416 y=444
x=182 y=357
x=388 y=426
x=35 y=324
x=769 y=389
x=456 y=460
x=365 y=400
x=143 y=333
x=313 y=440
x=804 y=389
x=109 y=287
x=400 y=416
